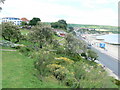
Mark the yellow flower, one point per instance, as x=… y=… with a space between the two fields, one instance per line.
x=66 y=59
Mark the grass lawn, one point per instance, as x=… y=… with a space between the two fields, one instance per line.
x=0 y=69
x=24 y=31
x=18 y=72
x=1 y=38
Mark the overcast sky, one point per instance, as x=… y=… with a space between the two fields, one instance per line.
x=99 y=12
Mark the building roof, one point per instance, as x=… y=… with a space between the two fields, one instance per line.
x=9 y=17
x=24 y=19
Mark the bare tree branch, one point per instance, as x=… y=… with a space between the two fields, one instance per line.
x=2 y=1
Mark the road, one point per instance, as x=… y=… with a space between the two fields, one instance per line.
x=106 y=60
x=109 y=62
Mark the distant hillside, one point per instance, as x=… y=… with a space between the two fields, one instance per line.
x=109 y=28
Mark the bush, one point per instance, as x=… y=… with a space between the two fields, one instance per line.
x=58 y=71
x=83 y=54
x=92 y=55
x=60 y=50
x=117 y=82
x=76 y=57
x=26 y=50
x=71 y=82
x=44 y=58
x=91 y=77
x=64 y=60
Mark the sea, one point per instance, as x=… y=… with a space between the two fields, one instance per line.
x=110 y=38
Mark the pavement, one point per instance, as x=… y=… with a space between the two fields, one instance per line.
x=110 y=50
x=7 y=50
x=111 y=64
x=108 y=60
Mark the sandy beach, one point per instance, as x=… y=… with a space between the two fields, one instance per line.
x=111 y=50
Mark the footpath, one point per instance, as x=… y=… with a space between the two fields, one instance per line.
x=110 y=50
x=7 y=50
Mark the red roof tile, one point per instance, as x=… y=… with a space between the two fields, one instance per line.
x=24 y=19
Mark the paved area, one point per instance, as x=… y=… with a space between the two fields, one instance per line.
x=109 y=62
x=7 y=50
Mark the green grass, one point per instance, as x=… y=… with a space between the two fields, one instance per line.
x=24 y=31
x=1 y=38
x=18 y=72
x=8 y=48
x=0 y=69
x=60 y=38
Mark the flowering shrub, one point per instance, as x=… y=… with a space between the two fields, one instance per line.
x=53 y=67
x=64 y=59
x=58 y=71
x=44 y=58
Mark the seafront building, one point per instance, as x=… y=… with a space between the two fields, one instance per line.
x=16 y=21
x=25 y=20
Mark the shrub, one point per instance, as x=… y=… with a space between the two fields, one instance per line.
x=58 y=71
x=59 y=50
x=117 y=82
x=64 y=60
x=92 y=55
x=72 y=82
x=83 y=54
x=76 y=57
x=26 y=50
x=44 y=58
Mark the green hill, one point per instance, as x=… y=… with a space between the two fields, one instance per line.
x=107 y=27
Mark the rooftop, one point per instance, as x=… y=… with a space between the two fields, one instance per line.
x=24 y=19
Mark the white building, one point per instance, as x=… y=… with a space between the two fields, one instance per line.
x=16 y=21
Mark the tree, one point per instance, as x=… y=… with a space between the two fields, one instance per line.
x=61 y=24
x=11 y=32
x=41 y=34
x=71 y=29
x=74 y=45
x=23 y=23
x=34 y=21
x=1 y=1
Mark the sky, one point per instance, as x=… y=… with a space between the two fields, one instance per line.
x=97 y=12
